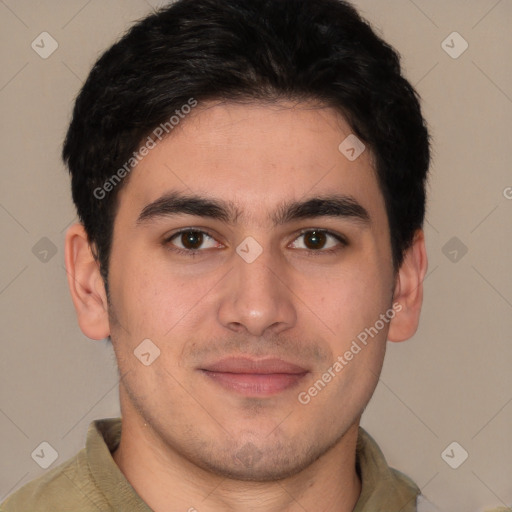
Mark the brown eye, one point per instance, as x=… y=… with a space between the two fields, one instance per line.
x=191 y=240
x=319 y=240
x=315 y=239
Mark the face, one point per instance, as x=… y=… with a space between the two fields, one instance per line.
x=250 y=288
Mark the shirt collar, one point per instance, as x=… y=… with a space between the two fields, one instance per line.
x=382 y=488
x=103 y=439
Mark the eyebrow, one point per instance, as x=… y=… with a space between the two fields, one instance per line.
x=331 y=205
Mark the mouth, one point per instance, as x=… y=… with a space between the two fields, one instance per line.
x=256 y=378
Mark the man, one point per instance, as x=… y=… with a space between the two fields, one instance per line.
x=250 y=181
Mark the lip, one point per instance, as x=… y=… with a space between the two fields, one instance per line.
x=253 y=377
x=247 y=365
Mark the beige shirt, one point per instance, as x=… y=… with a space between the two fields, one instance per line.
x=92 y=482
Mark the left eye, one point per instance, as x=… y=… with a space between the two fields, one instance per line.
x=317 y=239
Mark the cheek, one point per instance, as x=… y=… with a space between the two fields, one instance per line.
x=351 y=300
x=153 y=300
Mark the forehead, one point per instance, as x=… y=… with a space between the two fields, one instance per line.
x=255 y=156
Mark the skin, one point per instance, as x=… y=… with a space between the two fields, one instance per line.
x=188 y=442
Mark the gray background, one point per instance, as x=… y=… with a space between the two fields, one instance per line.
x=451 y=382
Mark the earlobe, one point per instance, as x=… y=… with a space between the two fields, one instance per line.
x=86 y=284
x=409 y=290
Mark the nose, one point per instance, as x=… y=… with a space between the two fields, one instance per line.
x=258 y=297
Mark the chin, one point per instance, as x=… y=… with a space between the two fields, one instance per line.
x=251 y=463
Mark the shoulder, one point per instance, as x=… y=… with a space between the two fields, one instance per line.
x=69 y=486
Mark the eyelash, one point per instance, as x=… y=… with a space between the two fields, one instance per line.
x=309 y=252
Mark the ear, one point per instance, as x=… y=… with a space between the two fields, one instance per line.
x=409 y=290
x=86 y=284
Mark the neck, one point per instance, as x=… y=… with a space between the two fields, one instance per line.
x=166 y=480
